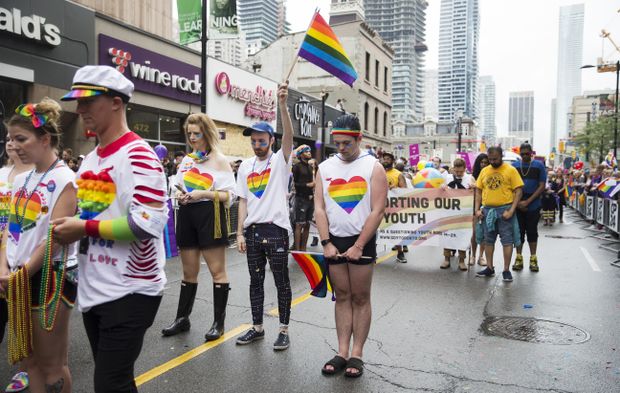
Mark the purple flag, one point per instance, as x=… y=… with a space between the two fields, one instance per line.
x=414 y=154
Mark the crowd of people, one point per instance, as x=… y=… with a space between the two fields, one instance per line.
x=120 y=192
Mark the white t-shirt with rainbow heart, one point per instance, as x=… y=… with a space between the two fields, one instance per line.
x=346 y=192
x=264 y=184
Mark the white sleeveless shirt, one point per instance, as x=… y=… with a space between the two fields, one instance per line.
x=347 y=194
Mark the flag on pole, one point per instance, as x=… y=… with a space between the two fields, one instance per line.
x=322 y=48
x=315 y=268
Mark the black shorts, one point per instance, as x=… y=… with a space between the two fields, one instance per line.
x=196 y=226
x=528 y=224
x=342 y=244
x=304 y=210
x=68 y=294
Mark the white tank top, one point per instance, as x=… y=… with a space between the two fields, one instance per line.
x=346 y=191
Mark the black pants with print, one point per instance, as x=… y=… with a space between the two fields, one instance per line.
x=268 y=242
x=116 y=332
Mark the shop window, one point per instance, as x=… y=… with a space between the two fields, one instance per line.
x=376 y=120
x=171 y=129
x=143 y=123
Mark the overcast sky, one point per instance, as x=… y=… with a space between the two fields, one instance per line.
x=518 y=48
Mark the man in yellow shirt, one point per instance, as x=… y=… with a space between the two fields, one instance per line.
x=395 y=179
x=498 y=189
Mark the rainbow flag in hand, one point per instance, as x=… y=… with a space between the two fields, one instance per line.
x=322 y=48
x=315 y=268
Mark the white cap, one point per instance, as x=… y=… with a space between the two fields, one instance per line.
x=93 y=80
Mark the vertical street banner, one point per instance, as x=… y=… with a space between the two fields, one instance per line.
x=223 y=20
x=414 y=154
x=427 y=217
x=190 y=21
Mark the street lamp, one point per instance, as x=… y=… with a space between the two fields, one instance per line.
x=459 y=119
x=616 y=111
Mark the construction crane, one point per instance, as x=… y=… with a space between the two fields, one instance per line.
x=607 y=66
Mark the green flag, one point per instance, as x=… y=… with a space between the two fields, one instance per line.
x=190 y=21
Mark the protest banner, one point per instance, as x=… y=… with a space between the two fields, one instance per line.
x=427 y=217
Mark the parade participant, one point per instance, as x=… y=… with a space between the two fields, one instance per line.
x=549 y=202
x=206 y=184
x=561 y=186
x=122 y=200
x=264 y=226
x=8 y=173
x=349 y=203
x=395 y=179
x=498 y=191
x=534 y=176
x=315 y=167
x=67 y=154
x=37 y=264
x=303 y=178
x=481 y=162
x=459 y=179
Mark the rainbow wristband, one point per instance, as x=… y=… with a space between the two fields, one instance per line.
x=116 y=229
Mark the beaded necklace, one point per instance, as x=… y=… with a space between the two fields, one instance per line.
x=20 y=322
x=47 y=273
x=264 y=170
x=20 y=220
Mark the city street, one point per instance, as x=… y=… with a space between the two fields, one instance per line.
x=427 y=333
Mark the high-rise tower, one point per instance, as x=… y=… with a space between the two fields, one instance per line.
x=459 y=27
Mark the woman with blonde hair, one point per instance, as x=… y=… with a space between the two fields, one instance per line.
x=206 y=183
x=35 y=271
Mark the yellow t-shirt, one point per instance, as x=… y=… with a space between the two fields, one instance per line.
x=392 y=177
x=497 y=185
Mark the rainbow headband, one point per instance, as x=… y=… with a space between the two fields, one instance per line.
x=346 y=131
x=81 y=91
x=28 y=111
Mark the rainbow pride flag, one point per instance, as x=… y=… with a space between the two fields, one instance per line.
x=315 y=268
x=607 y=186
x=322 y=48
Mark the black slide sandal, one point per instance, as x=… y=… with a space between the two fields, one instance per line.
x=356 y=364
x=337 y=362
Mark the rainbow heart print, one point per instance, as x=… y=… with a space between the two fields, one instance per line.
x=347 y=194
x=31 y=213
x=257 y=182
x=96 y=191
x=194 y=180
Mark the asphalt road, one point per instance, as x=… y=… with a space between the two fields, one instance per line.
x=426 y=334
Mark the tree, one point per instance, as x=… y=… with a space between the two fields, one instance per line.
x=597 y=138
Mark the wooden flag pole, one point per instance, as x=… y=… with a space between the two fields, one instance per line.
x=290 y=71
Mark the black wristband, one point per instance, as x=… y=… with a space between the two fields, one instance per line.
x=325 y=242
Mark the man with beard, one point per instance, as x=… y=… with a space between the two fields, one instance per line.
x=534 y=175
x=395 y=180
x=303 y=177
x=498 y=191
x=263 y=225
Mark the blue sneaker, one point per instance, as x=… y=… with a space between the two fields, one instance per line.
x=487 y=272
x=507 y=276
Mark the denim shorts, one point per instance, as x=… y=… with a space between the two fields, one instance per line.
x=503 y=228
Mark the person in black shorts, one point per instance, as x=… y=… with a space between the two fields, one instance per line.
x=303 y=177
x=205 y=182
x=351 y=190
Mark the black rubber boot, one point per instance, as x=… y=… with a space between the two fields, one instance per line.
x=220 y=299
x=186 y=303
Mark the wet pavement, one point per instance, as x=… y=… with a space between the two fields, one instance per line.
x=433 y=330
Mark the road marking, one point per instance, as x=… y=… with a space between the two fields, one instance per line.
x=590 y=260
x=274 y=312
x=176 y=362
x=179 y=360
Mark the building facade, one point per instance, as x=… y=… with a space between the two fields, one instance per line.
x=459 y=27
x=262 y=21
x=487 y=127
x=521 y=115
x=370 y=97
x=431 y=111
x=570 y=57
x=587 y=108
x=403 y=25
